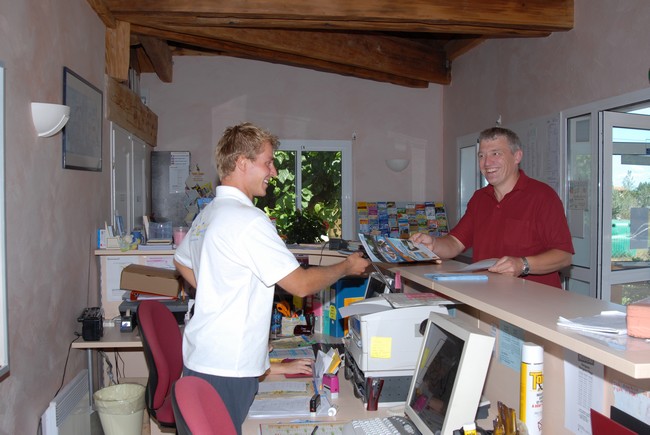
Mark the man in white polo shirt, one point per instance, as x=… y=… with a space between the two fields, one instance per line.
x=234 y=257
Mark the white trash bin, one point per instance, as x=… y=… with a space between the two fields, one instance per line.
x=121 y=408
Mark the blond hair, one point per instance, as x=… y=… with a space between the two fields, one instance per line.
x=244 y=139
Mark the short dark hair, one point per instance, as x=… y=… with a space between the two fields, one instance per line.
x=496 y=132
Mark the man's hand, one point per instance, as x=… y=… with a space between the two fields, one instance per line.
x=446 y=246
x=512 y=266
x=356 y=264
x=539 y=264
x=424 y=239
x=297 y=366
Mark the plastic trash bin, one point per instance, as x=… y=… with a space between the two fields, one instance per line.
x=121 y=408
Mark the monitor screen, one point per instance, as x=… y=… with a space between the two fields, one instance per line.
x=376 y=285
x=449 y=376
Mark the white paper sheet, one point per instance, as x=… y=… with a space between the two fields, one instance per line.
x=293 y=353
x=584 y=388
x=479 y=265
x=286 y=407
x=608 y=322
x=356 y=308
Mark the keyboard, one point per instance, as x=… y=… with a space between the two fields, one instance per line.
x=381 y=426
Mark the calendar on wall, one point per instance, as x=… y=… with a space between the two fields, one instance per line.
x=401 y=219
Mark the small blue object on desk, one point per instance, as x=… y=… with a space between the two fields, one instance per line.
x=456 y=276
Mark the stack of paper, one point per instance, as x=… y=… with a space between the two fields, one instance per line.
x=291 y=353
x=607 y=322
x=326 y=363
x=285 y=399
x=306 y=428
x=403 y=300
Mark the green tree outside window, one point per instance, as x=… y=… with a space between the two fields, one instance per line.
x=305 y=199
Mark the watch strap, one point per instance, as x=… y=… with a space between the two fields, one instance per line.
x=526 y=269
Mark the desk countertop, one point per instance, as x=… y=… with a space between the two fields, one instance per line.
x=535 y=308
x=112 y=339
x=349 y=408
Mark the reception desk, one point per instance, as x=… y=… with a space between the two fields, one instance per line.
x=501 y=301
x=534 y=309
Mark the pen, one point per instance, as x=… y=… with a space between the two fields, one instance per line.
x=313 y=432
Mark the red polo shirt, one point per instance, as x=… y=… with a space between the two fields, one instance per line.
x=528 y=221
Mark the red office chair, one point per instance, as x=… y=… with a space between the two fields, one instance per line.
x=199 y=409
x=162 y=343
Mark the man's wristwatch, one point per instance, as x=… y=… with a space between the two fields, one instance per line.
x=526 y=269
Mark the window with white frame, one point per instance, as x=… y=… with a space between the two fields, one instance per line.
x=313 y=184
x=4 y=333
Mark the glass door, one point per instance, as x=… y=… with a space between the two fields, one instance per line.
x=582 y=201
x=624 y=257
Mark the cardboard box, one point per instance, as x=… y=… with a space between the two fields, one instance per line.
x=153 y=280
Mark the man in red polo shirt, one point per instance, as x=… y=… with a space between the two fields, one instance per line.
x=516 y=219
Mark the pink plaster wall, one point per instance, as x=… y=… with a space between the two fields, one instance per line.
x=209 y=94
x=606 y=54
x=51 y=213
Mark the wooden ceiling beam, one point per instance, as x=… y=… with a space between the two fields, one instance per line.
x=540 y=15
x=142 y=60
x=235 y=49
x=160 y=56
x=408 y=43
x=414 y=59
x=457 y=47
x=117 y=56
x=104 y=14
x=348 y=25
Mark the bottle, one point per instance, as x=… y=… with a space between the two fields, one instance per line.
x=276 y=323
x=532 y=387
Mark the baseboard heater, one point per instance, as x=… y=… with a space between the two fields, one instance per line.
x=69 y=413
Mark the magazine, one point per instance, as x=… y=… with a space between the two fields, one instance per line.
x=384 y=249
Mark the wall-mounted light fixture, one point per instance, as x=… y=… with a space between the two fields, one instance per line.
x=49 y=118
x=397 y=165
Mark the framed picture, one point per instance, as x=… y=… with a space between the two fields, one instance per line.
x=82 y=135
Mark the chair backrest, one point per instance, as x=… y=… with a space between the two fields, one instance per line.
x=162 y=343
x=199 y=409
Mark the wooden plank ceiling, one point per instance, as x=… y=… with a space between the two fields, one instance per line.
x=409 y=43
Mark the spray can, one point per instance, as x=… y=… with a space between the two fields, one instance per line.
x=531 y=387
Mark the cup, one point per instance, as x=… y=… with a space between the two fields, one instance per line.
x=179 y=235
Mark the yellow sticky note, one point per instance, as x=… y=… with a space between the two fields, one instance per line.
x=381 y=347
x=332 y=312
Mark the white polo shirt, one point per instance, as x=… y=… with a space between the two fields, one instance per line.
x=237 y=258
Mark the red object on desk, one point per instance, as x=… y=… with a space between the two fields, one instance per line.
x=294 y=375
x=603 y=425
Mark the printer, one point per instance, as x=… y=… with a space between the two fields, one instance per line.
x=384 y=342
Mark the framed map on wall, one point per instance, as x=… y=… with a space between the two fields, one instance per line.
x=82 y=135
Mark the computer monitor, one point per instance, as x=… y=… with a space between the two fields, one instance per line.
x=449 y=376
x=377 y=285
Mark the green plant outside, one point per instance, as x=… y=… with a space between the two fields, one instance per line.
x=320 y=196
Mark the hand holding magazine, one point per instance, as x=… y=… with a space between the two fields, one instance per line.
x=393 y=250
